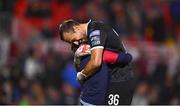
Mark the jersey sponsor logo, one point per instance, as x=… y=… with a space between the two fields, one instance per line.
x=95 y=40
x=94 y=43
x=95 y=32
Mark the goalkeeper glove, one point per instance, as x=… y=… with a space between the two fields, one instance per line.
x=83 y=50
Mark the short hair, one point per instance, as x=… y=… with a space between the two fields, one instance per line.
x=66 y=26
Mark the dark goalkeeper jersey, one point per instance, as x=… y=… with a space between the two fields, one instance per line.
x=101 y=35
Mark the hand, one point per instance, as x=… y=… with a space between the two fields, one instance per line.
x=84 y=49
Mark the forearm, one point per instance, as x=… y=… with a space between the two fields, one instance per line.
x=90 y=69
x=119 y=59
x=94 y=63
x=92 y=66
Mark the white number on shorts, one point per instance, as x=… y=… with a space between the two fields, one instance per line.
x=113 y=99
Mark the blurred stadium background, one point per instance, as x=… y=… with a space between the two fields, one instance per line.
x=37 y=68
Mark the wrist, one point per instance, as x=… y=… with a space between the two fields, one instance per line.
x=81 y=76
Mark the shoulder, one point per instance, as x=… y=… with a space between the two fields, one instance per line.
x=95 y=24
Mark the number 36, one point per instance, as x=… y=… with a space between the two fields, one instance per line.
x=113 y=99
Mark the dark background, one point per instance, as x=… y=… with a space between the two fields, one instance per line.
x=36 y=67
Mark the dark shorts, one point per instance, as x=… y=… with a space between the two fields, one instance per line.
x=120 y=93
x=121 y=85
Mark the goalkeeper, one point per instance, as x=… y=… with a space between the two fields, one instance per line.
x=94 y=74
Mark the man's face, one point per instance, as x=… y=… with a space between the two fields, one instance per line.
x=75 y=37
